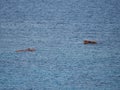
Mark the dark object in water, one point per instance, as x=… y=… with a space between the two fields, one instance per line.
x=27 y=50
x=89 y=42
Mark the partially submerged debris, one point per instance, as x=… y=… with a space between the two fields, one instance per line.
x=89 y=42
x=27 y=50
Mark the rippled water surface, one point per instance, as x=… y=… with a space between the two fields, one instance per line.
x=56 y=29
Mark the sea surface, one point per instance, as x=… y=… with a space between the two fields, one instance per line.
x=56 y=29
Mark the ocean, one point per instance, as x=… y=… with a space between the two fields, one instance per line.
x=57 y=29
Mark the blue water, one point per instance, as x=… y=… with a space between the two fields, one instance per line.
x=57 y=28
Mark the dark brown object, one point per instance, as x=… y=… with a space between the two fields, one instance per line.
x=89 y=42
x=27 y=50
